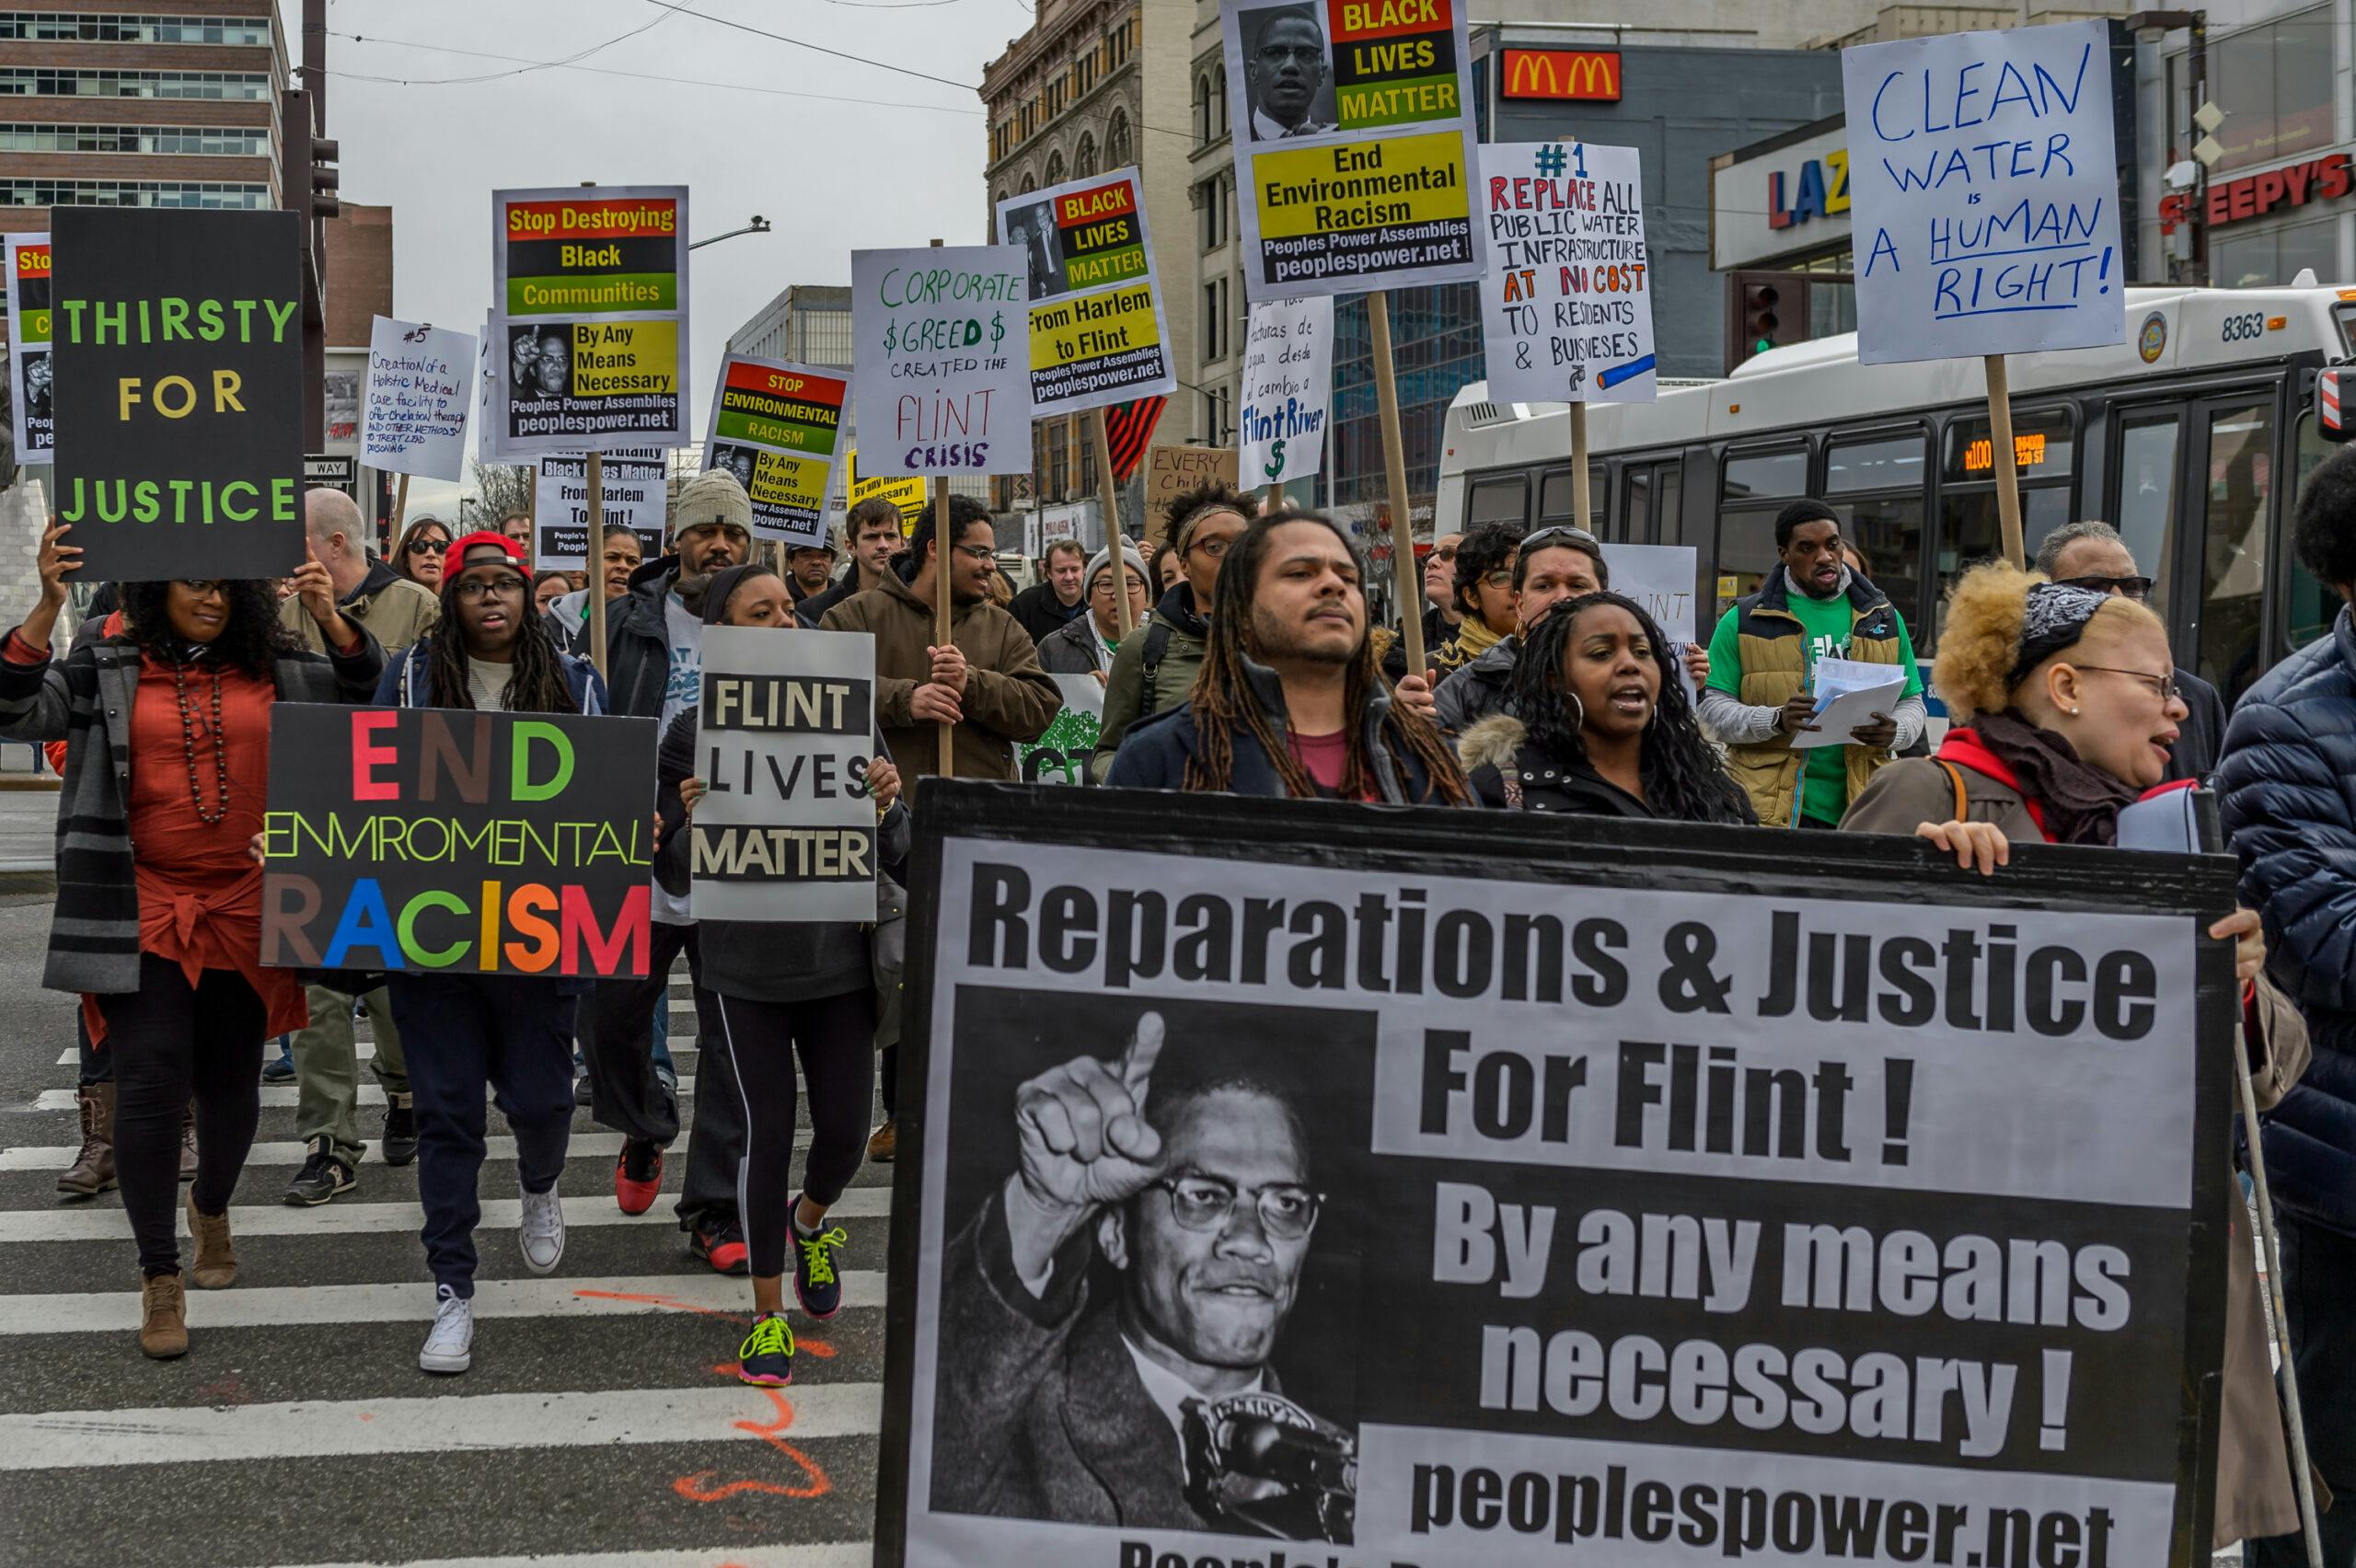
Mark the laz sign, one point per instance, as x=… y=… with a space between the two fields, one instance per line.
x=1564 y=75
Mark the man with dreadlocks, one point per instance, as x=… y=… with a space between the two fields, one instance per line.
x=465 y=1032
x=1289 y=702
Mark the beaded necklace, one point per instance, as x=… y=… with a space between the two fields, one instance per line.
x=188 y=748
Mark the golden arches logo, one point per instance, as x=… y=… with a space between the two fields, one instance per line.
x=1568 y=74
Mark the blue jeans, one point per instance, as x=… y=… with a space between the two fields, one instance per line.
x=2317 y=1265
x=663 y=1033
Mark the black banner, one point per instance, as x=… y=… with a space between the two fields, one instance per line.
x=177 y=339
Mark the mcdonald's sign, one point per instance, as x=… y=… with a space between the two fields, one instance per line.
x=1567 y=75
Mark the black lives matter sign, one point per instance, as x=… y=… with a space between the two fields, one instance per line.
x=178 y=354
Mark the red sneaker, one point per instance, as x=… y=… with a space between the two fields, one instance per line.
x=638 y=1176
x=723 y=1247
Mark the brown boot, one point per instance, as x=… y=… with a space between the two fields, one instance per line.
x=884 y=1144
x=216 y=1259
x=187 y=1143
x=92 y=1172
x=163 y=1317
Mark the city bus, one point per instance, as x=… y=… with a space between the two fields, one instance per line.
x=2191 y=438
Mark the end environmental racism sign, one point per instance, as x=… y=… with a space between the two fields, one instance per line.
x=177 y=343
x=412 y=839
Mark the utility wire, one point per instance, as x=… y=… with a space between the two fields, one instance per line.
x=819 y=48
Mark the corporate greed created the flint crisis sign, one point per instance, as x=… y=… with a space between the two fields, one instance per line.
x=419 y=839
x=177 y=345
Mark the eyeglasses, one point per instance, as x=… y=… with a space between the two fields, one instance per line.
x=978 y=552
x=1204 y=1203
x=1561 y=534
x=1500 y=580
x=473 y=588
x=2136 y=588
x=2164 y=684
x=428 y=546
x=1211 y=548
x=205 y=587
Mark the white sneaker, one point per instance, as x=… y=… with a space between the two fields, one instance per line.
x=450 y=1347
x=542 y=1234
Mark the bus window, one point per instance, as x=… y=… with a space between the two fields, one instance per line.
x=1554 y=496
x=1969 y=533
x=2044 y=453
x=1877 y=485
x=1501 y=498
x=1757 y=486
x=2145 y=512
x=2308 y=607
x=1635 y=503
x=2233 y=545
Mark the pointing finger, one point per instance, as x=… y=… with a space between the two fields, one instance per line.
x=1145 y=1049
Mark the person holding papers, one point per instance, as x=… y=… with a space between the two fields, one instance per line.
x=1760 y=701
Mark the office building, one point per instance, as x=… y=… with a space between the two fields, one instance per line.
x=808 y=324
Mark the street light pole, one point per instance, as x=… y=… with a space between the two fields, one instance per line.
x=758 y=226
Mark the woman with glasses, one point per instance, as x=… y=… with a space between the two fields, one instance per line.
x=2094 y=557
x=158 y=922
x=419 y=555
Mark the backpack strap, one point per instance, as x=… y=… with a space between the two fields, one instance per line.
x=1962 y=803
x=1157 y=643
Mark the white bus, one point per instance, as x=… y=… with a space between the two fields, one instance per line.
x=2191 y=438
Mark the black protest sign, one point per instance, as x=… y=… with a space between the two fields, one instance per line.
x=1630 y=1192
x=420 y=839
x=177 y=339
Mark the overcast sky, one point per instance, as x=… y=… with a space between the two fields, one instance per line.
x=835 y=153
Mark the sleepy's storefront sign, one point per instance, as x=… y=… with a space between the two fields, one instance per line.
x=1783 y=199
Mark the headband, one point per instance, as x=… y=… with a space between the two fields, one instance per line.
x=2053 y=618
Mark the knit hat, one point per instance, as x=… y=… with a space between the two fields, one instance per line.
x=512 y=550
x=712 y=496
x=1102 y=562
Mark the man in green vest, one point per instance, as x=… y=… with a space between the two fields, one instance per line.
x=1811 y=607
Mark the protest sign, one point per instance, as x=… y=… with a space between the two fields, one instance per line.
x=901 y=491
x=488 y=368
x=1172 y=470
x=1060 y=755
x=29 y=377
x=1983 y=188
x=634 y=495
x=1567 y=306
x=413 y=415
x=942 y=384
x=1098 y=332
x=578 y=251
x=589 y=386
x=774 y=426
x=424 y=838
x=1626 y=1193
x=1661 y=578
x=1288 y=390
x=784 y=732
x=1356 y=153
x=178 y=347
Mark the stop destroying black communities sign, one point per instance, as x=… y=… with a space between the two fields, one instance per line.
x=177 y=341
x=1424 y=1188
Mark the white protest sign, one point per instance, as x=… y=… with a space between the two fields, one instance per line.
x=940 y=339
x=1567 y=306
x=1660 y=578
x=785 y=831
x=1097 y=332
x=1287 y=390
x=1984 y=183
x=635 y=497
x=1060 y=755
x=413 y=411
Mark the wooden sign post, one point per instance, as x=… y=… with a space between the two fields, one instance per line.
x=2000 y=443
x=595 y=560
x=942 y=543
x=1395 y=460
x=1114 y=540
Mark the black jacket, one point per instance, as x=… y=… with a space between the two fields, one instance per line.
x=1040 y=613
x=2202 y=733
x=807 y=611
x=638 y=641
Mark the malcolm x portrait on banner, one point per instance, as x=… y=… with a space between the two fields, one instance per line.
x=1189 y=1203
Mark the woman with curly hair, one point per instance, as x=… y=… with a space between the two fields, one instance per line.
x=158 y=923
x=1595 y=722
x=419 y=554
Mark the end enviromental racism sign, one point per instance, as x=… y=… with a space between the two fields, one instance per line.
x=774 y=426
x=1984 y=182
x=942 y=383
x=1097 y=331
x=1567 y=308
x=28 y=379
x=1354 y=155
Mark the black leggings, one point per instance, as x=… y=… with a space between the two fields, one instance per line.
x=169 y=1041
x=836 y=1037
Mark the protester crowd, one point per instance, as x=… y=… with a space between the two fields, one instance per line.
x=1249 y=666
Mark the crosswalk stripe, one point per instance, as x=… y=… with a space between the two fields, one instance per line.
x=281 y=1096
x=359 y=1219
x=57 y=1156
x=365 y=1050
x=832 y=1554
x=408 y=1301
x=172 y=1434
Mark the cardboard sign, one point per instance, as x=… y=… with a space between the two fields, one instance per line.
x=942 y=384
x=1567 y=308
x=1357 y=152
x=415 y=839
x=1060 y=755
x=413 y=415
x=1171 y=471
x=1098 y=333
x=29 y=377
x=1860 y=1195
x=177 y=343
x=1984 y=183
x=1287 y=390
x=635 y=496
x=784 y=734
x=774 y=426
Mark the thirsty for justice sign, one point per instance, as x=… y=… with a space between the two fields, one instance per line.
x=942 y=382
x=429 y=838
x=28 y=375
x=1514 y=1197
x=1567 y=308
x=177 y=344
x=1983 y=184
x=1356 y=151
x=774 y=426
x=635 y=497
x=1287 y=390
x=786 y=831
x=413 y=414
x=1097 y=331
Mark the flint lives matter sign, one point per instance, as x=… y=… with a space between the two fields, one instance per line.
x=1464 y=1195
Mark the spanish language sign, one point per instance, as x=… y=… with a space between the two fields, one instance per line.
x=1060 y=757
x=635 y=495
x=1098 y=336
x=1567 y=306
x=1356 y=152
x=1983 y=184
x=1171 y=471
x=177 y=343
x=774 y=426
x=425 y=838
x=901 y=491
x=942 y=383
x=1875 y=1216
x=1287 y=390
x=786 y=727
x=29 y=377
x=413 y=414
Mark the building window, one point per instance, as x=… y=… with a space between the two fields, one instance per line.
x=2274 y=83
x=21 y=82
x=1212 y=197
x=70 y=26
x=1083 y=162
x=1116 y=142
x=1217 y=330
x=1202 y=131
x=1056 y=167
x=130 y=194
x=236 y=141
x=1435 y=343
x=2239 y=261
x=1218 y=100
x=1118 y=41
x=1030 y=183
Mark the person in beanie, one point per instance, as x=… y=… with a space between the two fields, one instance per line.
x=1085 y=645
x=1203 y=521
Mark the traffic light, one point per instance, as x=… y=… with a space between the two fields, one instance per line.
x=325 y=178
x=1760 y=322
x=1771 y=310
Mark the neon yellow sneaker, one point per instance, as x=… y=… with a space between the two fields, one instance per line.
x=766 y=1358
x=815 y=1284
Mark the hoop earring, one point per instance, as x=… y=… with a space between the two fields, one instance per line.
x=1579 y=708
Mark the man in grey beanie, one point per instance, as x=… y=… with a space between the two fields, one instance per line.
x=1084 y=645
